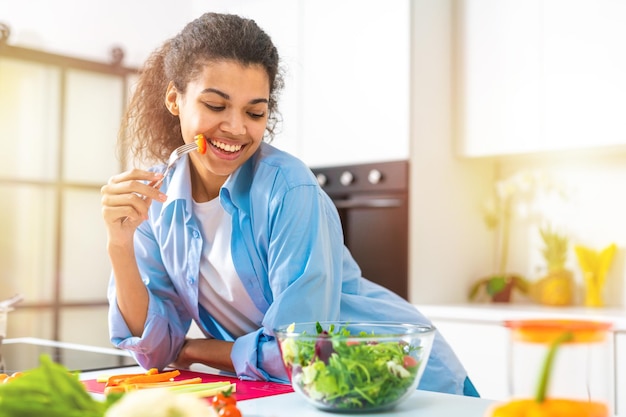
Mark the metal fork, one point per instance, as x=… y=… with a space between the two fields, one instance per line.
x=175 y=156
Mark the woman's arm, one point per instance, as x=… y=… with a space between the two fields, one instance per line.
x=210 y=352
x=148 y=316
x=126 y=199
x=131 y=293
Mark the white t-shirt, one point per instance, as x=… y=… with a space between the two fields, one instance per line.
x=221 y=292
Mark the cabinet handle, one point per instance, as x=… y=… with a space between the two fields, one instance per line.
x=369 y=203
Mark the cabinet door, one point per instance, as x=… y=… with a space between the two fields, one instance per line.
x=354 y=81
x=483 y=351
x=584 y=79
x=499 y=75
x=541 y=75
x=620 y=373
x=58 y=125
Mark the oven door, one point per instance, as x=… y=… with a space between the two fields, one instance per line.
x=372 y=200
x=375 y=230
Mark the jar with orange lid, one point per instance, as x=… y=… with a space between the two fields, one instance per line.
x=558 y=367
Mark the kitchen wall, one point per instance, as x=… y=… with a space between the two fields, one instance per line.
x=592 y=215
x=450 y=246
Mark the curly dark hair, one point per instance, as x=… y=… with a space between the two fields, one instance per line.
x=149 y=131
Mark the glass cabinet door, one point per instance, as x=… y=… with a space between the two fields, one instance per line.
x=93 y=110
x=58 y=132
x=30 y=119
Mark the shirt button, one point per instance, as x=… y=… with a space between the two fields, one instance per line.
x=195 y=234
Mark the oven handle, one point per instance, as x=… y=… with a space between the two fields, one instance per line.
x=369 y=203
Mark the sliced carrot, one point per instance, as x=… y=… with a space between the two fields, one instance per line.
x=159 y=377
x=115 y=389
x=118 y=379
x=200 y=140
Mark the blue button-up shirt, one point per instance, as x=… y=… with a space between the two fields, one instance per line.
x=288 y=250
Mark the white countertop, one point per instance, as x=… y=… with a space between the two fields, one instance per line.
x=496 y=313
x=422 y=403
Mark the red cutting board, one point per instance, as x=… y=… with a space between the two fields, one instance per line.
x=246 y=390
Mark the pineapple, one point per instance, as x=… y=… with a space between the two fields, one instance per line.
x=557 y=287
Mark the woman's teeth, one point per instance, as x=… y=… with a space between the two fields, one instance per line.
x=226 y=147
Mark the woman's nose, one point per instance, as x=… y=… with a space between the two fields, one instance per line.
x=234 y=123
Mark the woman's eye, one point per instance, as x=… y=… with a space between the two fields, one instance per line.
x=254 y=115
x=214 y=107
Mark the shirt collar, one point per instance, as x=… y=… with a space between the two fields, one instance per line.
x=177 y=185
x=234 y=192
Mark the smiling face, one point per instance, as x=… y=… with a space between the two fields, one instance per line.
x=228 y=104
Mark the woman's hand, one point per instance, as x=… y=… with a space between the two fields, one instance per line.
x=126 y=199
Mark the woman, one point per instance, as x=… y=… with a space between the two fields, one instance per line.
x=240 y=239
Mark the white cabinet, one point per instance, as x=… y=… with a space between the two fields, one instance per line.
x=483 y=351
x=354 y=81
x=620 y=373
x=541 y=75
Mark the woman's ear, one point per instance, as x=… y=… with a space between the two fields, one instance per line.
x=171 y=96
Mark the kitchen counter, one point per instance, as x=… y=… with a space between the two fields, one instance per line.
x=19 y=354
x=421 y=403
x=496 y=313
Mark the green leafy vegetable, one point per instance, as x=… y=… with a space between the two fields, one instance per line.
x=349 y=373
x=50 y=390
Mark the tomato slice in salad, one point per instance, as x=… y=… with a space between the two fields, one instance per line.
x=410 y=362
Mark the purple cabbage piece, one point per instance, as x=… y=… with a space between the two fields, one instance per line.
x=324 y=347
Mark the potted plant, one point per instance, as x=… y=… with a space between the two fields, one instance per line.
x=499 y=288
x=516 y=193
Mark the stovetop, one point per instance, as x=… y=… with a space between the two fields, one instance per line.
x=21 y=356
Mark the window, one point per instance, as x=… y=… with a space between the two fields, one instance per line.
x=59 y=118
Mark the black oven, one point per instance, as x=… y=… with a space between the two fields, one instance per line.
x=372 y=200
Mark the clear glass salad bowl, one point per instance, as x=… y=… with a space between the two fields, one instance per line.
x=355 y=366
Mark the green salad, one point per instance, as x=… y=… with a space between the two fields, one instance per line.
x=50 y=390
x=341 y=371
